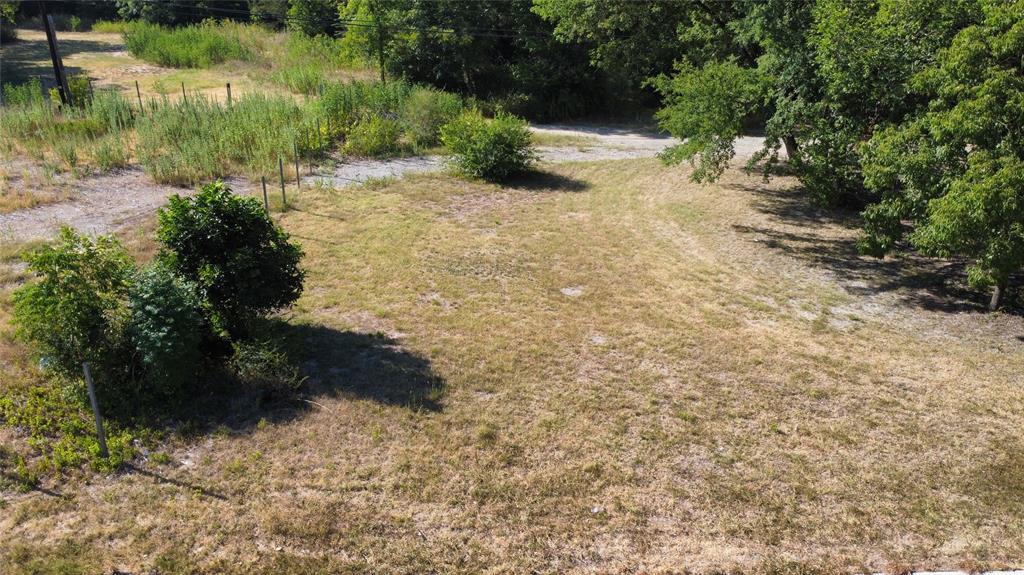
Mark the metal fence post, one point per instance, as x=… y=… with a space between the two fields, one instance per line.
x=95 y=411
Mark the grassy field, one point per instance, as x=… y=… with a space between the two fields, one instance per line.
x=602 y=368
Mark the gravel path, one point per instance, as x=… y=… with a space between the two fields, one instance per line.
x=105 y=202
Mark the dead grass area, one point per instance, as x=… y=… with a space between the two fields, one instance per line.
x=602 y=369
x=29 y=187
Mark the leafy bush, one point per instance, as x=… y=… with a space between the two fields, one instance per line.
x=375 y=137
x=140 y=332
x=488 y=149
x=75 y=313
x=110 y=27
x=241 y=262
x=198 y=46
x=166 y=327
x=425 y=111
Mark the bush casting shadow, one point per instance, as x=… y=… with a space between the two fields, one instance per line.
x=335 y=364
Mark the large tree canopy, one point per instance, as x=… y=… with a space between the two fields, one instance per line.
x=911 y=109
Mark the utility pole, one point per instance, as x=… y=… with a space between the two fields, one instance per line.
x=58 y=64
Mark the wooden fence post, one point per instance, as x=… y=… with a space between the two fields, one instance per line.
x=280 y=167
x=184 y=96
x=138 y=93
x=266 y=200
x=95 y=411
x=229 y=94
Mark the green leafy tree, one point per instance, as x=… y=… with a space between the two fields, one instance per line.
x=272 y=12
x=242 y=264
x=707 y=108
x=497 y=50
x=313 y=17
x=957 y=171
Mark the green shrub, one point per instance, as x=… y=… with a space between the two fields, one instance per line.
x=25 y=95
x=488 y=149
x=166 y=327
x=376 y=137
x=241 y=262
x=76 y=312
x=110 y=27
x=198 y=46
x=425 y=111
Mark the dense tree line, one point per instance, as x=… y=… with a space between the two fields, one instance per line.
x=911 y=109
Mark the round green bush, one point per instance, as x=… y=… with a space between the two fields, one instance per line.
x=242 y=264
x=488 y=149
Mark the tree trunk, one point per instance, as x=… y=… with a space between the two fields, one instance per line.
x=998 y=292
x=792 y=148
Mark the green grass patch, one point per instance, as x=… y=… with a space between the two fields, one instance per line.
x=198 y=46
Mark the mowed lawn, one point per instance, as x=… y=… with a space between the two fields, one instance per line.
x=601 y=369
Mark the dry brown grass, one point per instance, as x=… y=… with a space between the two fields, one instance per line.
x=723 y=389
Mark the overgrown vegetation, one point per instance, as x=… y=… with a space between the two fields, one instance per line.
x=153 y=335
x=196 y=138
x=197 y=46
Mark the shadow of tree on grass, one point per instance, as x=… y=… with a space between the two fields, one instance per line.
x=334 y=363
x=929 y=283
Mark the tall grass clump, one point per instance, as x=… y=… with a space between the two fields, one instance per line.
x=198 y=46
x=71 y=137
x=197 y=138
x=425 y=111
x=303 y=63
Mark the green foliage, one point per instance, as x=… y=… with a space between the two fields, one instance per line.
x=192 y=140
x=196 y=46
x=8 y=13
x=242 y=264
x=488 y=149
x=437 y=42
x=110 y=27
x=425 y=111
x=376 y=137
x=313 y=17
x=166 y=327
x=27 y=95
x=706 y=108
x=270 y=12
x=956 y=171
x=75 y=313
